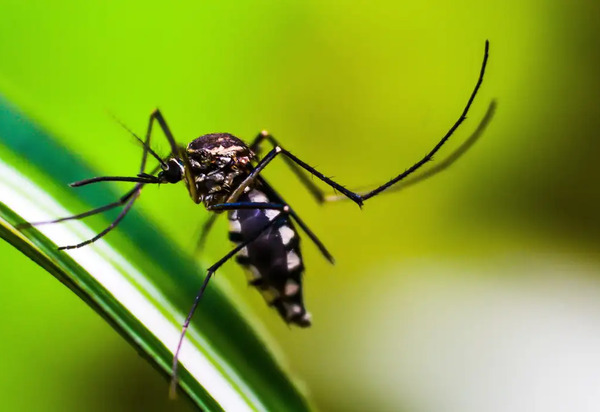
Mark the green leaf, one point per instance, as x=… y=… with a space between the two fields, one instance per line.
x=137 y=280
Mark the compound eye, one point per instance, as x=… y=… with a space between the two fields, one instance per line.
x=173 y=172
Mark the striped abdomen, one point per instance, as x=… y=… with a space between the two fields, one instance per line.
x=273 y=261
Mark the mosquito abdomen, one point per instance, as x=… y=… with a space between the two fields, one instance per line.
x=273 y=261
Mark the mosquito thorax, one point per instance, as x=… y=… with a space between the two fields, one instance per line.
x=218 y=162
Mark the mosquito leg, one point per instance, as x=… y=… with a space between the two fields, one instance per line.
x=142 y=178
x=355 y=197
x=92 y=212
x=110 y=227
x=444 y=139
x=211 y=270
x=441 y=166
x=249 y=180
x=313 y=237
x=236 y=193
x=156 y=115
x=269 y=157
x=129 y=198
x=317 y=193
x=249 y=205
x=176 y=150
x=144 y=143
x=212 y=219
x=272 y=194
x=276 y=206
x=255 y=147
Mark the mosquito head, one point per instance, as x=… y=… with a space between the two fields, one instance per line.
x=172 y=171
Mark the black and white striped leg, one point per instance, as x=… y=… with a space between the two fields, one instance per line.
x=210 y=271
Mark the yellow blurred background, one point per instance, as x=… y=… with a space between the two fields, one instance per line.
x=477 y=290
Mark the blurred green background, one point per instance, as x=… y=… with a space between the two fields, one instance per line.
x=477 y=290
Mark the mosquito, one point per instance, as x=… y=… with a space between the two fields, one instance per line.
x=224 y=174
